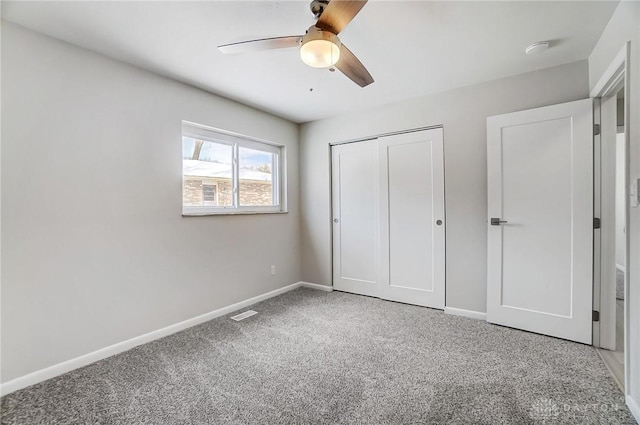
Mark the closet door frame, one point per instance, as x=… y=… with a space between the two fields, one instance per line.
x=442 y=268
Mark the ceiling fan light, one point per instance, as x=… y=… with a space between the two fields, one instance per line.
x=320 y=53
x=320 y=49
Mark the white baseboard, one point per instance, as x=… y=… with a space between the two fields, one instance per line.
x=86 y=359
x=621 y=268
x=466 y=313
x=316 y=286
x=633 y=407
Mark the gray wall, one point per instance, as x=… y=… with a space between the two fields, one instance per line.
x=463 y=113
x=95 y=250
x=625 y=26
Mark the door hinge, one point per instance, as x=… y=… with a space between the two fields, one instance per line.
x=596 y=129
x=595 y=316
x=596 y=223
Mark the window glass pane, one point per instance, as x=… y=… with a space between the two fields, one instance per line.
x=206 y=173
x=256 y=177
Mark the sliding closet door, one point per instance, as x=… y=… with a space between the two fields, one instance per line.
x=412 y=243
x=355 y=217
x=388 y=218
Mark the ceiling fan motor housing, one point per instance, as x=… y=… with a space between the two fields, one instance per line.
x=318 y=6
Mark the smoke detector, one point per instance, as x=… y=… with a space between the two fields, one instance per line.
x=537 y=48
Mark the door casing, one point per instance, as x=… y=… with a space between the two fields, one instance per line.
x=614 y=77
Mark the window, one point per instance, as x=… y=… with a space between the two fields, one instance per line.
x=224 y=173
x=209 y=194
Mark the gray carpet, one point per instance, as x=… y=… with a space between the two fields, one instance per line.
x=311 y=357
x=619 y=285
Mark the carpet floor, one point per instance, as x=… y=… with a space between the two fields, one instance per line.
x=312 y=357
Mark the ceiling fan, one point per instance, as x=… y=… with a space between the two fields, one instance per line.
x=320 y=47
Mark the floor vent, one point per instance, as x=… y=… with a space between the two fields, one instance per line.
x=244 y=315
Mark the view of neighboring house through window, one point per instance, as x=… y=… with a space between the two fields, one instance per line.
x=209 y=194
x=256 y=183
x=225 y=173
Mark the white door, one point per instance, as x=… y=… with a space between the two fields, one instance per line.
x=412 y=245
x=355 y=217
x=540 y=200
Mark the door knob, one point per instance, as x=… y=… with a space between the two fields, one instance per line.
x=335 y=220
x=495 y=221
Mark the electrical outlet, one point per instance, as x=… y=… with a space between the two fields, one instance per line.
x=273 y=270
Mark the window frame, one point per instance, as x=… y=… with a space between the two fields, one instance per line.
x=236 y=141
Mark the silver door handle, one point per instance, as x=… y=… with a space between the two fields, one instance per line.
x=495 y=221
x=335 y=220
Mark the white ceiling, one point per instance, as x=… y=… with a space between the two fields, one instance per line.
x=411 y=48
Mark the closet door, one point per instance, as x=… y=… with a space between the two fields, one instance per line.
x=355 y=217
x=412 y=228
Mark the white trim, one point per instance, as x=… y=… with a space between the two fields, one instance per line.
x=392 y=133
x=611 y=76
x=316 y=286
x=198 y=211
x=478 y=315
x=86 y=359
x=610 y=80
x=215 y=134
x=597 y=242
x=627 y=300
x=621 y=268
x=633 y=407
x=606 y=210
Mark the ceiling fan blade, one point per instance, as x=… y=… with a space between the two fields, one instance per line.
x=262 y=44
x=338 y=14
x=350 y=66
